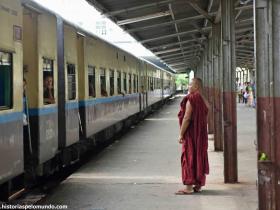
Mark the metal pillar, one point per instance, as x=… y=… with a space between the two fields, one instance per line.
x=210 y=87
x=61 y=83
x=217 y=79
x=229 y=92
x=267 y=45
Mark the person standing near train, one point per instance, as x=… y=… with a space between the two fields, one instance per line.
x=194 y=138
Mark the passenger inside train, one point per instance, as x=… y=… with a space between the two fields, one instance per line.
x=48 y=90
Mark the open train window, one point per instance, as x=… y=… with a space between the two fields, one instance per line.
x=112 y=82
x=103 y=82
x=119 y=82
x=6 y=81
x=48 y=86
x=151 y=84
x=91 y=81
x=134 y=83
x=71 y=75
x=124 y=83
x=137 y=84
x=129 y=83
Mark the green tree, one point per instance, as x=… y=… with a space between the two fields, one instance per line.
x=182 y=81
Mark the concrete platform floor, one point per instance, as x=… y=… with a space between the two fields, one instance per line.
x=141 y=171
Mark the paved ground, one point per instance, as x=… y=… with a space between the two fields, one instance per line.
x=141 y=171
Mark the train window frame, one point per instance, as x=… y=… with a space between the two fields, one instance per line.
x=119 y=82
x=73 y=83
x=91 y=81
x=103 y=90
x=134 y=83
x=8 y=102
x=48 y=72
x=112 y=81
x=129 y=83
x=137 y=84
x=125 y=82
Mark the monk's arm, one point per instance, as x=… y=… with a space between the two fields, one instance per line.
x=186 y=120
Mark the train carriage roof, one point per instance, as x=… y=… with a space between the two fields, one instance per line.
x=40 y=9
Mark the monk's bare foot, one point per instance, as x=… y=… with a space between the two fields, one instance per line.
x=188 y=190
x=184 y=192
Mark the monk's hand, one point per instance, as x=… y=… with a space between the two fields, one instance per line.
x=181 y=140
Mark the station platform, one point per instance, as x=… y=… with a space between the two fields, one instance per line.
x=141 y=171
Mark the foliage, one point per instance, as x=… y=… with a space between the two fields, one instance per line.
x=182 y=81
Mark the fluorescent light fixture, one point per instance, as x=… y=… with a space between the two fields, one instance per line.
x=143 y=18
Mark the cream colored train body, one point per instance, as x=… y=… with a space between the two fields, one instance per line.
x=80 y=91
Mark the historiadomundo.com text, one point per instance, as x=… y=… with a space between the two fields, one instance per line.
x=19 y=206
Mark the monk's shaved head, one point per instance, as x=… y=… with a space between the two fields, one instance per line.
x=198 y=83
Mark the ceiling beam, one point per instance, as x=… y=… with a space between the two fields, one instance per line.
x=167 y=51
x=144 y=6
x=167 y=23
x=176 y=27
x=246 y=51
x=176 y=49
x=174 y=35
x=164 y=46
x=177 y=64
x=172 y=55
x=143 y=18
x=186 y=57
x=178 y=58
x=244 y=7
x=210 y=4
x=201 y=11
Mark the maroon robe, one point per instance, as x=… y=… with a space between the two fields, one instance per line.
x=194 y=159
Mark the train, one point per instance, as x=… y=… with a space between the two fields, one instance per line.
x=62 y=90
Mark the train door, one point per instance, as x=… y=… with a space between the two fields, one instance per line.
x=71 y=84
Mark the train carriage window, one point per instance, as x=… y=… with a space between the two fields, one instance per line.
x=151 y=84
x=6 y=81
x=129 y=83
x=124 y=83
x=112 y=82
x=137 y=84
x=48 y=86
x=134 y=83
x=119 y=83
x=71 y=75
x=91 y=81
x=103 y=82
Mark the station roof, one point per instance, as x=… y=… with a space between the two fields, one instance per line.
x=177 y=30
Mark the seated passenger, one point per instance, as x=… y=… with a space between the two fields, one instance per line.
x=48 y=90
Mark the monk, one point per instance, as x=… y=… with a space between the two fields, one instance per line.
x=194 y=138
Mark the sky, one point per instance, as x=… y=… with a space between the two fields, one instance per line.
x=86 y=16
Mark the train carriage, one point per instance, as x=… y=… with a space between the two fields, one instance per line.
x=78 y=86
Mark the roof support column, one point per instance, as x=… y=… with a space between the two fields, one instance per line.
x=210 y=87
x=267 y=42
x=217 y=73
x=229 y=92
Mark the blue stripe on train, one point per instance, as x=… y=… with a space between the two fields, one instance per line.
x=11 y=117
x=91 y=102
